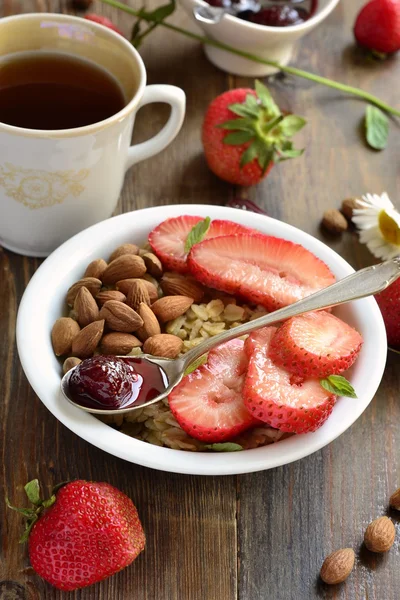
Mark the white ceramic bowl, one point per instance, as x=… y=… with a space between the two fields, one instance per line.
x=273 y=43
x=44 y=301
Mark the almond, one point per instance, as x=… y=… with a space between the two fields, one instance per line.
x=91 y=283
x=85 y=307
x=348 y=206
x=137 y=294
x=85 y=343
x=150 y=326
x=334 y=221
x=96 y=268
x=174 y=284
x=395 y=500
x=124 y=249
x=338 y=566
x=125 y=285
x=124 y=267
x=103 y=297
x=380 y=535
x=171 y=307
x=119 y=343
x=120 y=317
x=153 y=264
x=70 y=363
x=63 y=333
x=164 y=345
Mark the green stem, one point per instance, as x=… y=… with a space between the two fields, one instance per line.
x=291 y=70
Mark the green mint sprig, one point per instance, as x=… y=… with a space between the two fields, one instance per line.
x=225 y=447
x=197 y=233
x=196 y=364
x=336 y=384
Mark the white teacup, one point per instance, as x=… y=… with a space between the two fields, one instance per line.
x=55 y=183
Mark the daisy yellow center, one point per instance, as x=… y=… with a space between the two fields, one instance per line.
x=389 y=228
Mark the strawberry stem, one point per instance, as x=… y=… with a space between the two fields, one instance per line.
x=348 y=89
x=32 y=490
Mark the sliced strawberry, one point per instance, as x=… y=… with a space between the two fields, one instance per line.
x=316 y=344
x=260 y=268
x=168 y=239
x=208 y=403
x=279 y=398
x=229 y=357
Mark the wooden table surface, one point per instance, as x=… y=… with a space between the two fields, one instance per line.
x=261 y=536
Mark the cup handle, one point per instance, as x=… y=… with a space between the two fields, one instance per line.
x=176 y=98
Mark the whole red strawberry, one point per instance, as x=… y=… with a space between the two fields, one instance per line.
x=389 y=303
x=244 y=133
x=377 y=26
x=101 y=20
x=83 y=534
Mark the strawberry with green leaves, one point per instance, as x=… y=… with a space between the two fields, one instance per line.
x=244 y=134
x=84 y=533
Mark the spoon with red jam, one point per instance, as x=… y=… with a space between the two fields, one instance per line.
x=119 y=384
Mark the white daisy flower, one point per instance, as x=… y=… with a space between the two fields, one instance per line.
x=379 y=225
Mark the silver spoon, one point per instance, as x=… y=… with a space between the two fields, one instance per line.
x=365 y=282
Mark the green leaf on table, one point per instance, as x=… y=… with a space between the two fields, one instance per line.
x=32 y=490
x=291 y=124
x=225 y=447
x=376 y=127
x=337 y=384
x=197 y=233
x=196 y=364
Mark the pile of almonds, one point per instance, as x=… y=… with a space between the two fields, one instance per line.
x=122 y=305
x=378 y=537
x=337 y=221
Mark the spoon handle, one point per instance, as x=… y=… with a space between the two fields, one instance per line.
x=360 y=284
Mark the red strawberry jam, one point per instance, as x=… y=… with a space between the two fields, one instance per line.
x=110 y=382
x=279 y=16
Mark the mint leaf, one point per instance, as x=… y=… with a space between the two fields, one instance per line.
x=197 y=233
x=225 y=447
x=32 y=490
x=336 y=384
x=376 y=127
x=196 y=364
x=291 y=125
